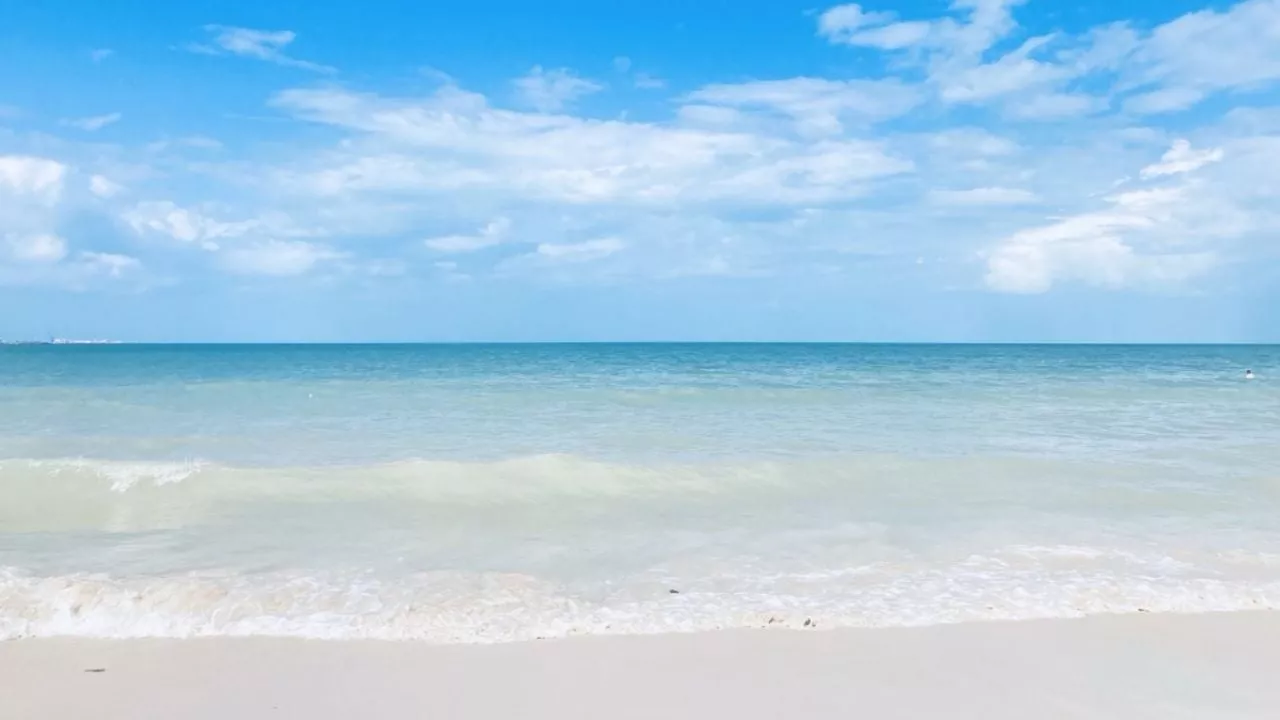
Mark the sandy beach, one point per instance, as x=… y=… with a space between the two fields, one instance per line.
x=1130 y=667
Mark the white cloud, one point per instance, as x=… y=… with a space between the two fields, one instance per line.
x=894 y=36
x=491 y=234
x=645 y=81
x=953 y=51
x=77 y=273
x=973 y=141
x=454 y=141
x=984 y=196
x=1182 y=159
x=182 y=224
x=711 y=116
x=819 y=107
x=552 y=90
x=1053 y=106
x=1211 y=50
x=846 y=23
x=1155 y=235
x=1165 y=100
x=94 y=123
x=580 y=252
x=44 y=248
x=109 y=264
x=103 y=187
x=986 y=21
x=763 y=176
x=277 y=258
x=35 y=177
x=198 y=142
x=1011 y=73
x=265 y=45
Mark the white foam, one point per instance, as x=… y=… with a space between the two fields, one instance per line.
x=449 y=607
x=123 y=475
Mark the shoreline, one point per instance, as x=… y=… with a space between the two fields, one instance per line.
x=1107 y=666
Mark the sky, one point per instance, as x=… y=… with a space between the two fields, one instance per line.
x=918 y=170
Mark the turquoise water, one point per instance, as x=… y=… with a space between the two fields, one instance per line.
x=485 y=493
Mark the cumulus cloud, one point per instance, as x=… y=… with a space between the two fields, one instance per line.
x=167 y=219
x=32 y=177
x=1143 y=236
x=752 y=176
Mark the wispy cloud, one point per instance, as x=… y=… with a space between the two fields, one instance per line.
x=552 y=90
x=645 y=81
x=93 y=123
x=984 y=196
x=277 y=258
x=1181 y=159
x=267 y=45
x=582 y=251
x=101 y=54
x=939 y=152
x=491 y=234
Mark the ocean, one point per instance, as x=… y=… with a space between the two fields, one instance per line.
x=490 y=493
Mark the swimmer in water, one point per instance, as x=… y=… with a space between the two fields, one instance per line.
x=1248 y=374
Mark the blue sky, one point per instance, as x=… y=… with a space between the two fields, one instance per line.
x=975 y=170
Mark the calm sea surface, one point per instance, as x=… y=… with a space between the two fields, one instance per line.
x=488 y=493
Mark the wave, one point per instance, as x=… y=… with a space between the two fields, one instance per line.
x=595 y=547
x=66 y=494
x=455 y=607
x=63 y=494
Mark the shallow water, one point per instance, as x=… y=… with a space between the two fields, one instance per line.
x=488 y=493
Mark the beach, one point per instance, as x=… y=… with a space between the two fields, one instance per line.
x=1129 y=667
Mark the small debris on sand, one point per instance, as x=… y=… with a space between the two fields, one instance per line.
x=95 y=670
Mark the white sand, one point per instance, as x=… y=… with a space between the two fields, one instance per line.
x=1145 y=666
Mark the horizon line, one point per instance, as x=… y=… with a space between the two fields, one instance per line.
x=337 y=343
